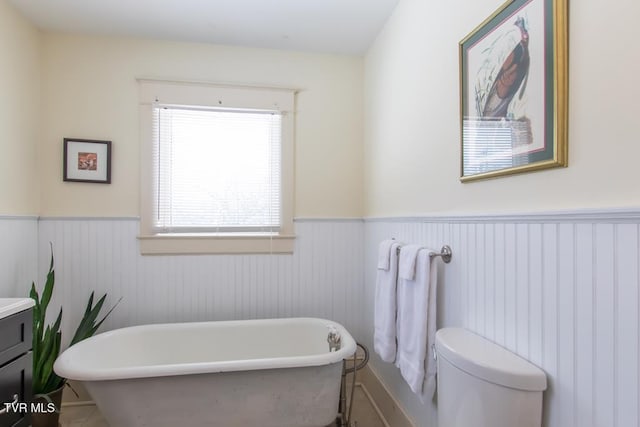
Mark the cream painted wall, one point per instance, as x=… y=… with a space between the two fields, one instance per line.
x=90 y=91
x=19 y=112
x=412 y=146
x=411 y=165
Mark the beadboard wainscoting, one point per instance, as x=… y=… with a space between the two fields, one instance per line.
x=561 y=290
x=18 y=251
x=323 y=278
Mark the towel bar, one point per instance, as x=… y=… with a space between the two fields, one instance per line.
x=445 y=253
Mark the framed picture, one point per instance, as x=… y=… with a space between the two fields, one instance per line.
x=513 y=91
x=87 y=160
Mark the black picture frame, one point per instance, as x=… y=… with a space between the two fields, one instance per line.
x=86 y=160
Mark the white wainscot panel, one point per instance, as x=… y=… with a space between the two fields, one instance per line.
x=560 y=291
x=18 y=259
x=323 y=278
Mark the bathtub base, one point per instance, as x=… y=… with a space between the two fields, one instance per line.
x=286 y=397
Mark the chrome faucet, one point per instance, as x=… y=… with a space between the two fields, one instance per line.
x=334 y=339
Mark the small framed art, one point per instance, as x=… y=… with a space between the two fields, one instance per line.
x=87 y=160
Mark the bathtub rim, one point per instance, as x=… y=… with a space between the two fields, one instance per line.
x=66 y=368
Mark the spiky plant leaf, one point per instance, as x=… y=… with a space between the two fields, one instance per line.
x=89 y=323
x=47 y=338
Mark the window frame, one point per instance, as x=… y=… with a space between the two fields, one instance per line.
x=216 y=96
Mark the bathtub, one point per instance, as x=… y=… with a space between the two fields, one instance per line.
x=248 y=373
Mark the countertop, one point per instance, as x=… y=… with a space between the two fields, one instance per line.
x=9 y=306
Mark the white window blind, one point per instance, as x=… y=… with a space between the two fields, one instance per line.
x=216 y=170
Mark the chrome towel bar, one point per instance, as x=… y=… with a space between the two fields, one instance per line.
x=445 y=253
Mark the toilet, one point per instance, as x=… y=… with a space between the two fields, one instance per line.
x=481 y=384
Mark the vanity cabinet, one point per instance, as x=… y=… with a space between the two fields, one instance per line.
x=16 y=367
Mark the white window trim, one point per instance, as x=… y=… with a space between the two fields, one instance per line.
x=214 y=95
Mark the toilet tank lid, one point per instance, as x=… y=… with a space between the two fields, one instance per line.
x=486 y=360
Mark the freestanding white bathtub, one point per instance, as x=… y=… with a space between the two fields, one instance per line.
x=248 y=373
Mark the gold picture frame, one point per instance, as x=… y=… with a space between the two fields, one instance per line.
x=514 y=91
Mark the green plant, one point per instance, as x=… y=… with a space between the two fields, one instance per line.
x=46 y=340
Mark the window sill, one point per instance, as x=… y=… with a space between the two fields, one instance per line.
x=192 y=244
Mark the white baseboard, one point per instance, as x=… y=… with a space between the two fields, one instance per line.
x=388 y=408
x=78 y=403
x=373 y=404
x=75 y=394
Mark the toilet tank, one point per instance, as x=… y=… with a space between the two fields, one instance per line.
x=481 y=384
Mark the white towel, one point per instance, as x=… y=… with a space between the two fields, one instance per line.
x=384 y=254
x=416 y=324
x=407 y=268
x=384 y=335
x=429 y=388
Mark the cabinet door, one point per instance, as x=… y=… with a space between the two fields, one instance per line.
x=15 y=379
x=16 y=332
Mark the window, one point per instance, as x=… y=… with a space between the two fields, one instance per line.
x=217 y=169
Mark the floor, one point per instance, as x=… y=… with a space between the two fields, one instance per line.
x=364 y=414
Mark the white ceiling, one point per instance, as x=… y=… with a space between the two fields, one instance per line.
x=332 y=26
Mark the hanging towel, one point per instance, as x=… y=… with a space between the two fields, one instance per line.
x=384 y=254
x=429 y=388
x=408 y=257
x=416 y=322
x=384 y=335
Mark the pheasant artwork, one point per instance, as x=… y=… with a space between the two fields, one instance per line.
x=511 y=76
